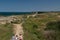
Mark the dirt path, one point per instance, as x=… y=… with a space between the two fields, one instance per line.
x=18 y=30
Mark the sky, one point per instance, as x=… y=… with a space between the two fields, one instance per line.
x=29 y=5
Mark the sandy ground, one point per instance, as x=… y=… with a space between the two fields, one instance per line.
x=18 y=29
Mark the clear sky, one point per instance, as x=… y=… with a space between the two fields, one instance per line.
x=29 y=5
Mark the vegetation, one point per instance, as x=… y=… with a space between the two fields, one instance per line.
x=5 y=31
x=42 y=28
x=55 y=28
x=31 y=31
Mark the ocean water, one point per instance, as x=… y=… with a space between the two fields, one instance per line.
x=14 y=13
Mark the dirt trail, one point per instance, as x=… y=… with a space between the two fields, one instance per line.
x=18 y=29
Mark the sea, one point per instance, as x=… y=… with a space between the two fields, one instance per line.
x=14 y=13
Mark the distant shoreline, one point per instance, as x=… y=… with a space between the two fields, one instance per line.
x=25 y=13
x=13 y=13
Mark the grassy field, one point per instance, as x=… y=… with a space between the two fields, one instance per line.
x=35 y=28
x=44 y=26
x=5 y=31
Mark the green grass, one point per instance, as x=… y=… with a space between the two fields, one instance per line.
x=34 y=28
x=31 y=30
x=5 y=31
